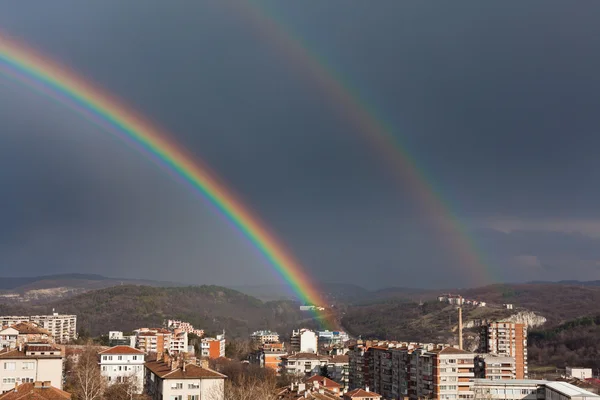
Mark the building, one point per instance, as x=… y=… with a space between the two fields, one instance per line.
x=31 y=363
x=262 y=337
x=117 y=338
x=269 y=356
x=121 y=364
x=62 y=327
x=507 y=306
x=338 y=370
x=495 y=367
x=311 y=308
x=529 y=389
x=213 y=347
x=507 y=339
x=304 y=364
x=173 y=324
x=179 y=342
x=575 y=372
x=168 y=378
x=329 y=338
x=37 y=390
x=153 y=340
x=303 y=341
x=360 y=394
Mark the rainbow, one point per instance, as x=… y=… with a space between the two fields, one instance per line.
x=381 y=136
x=29 y=67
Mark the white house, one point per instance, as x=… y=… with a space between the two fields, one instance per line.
x=304 y=364
x=178 y=380
x=30 y=363
x=579 y=373
x=121 y=363
x=8 y=338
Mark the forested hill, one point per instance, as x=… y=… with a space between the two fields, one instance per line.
x=212 y=308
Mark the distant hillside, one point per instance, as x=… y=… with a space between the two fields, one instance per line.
x=212 y=308
x=335 y=293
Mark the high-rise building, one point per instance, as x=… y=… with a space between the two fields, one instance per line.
x=62 y=327
x=303 y=341
x=507 y=339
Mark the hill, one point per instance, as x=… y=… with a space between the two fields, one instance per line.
x=212 y=308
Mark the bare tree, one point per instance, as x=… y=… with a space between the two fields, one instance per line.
x=85 y=380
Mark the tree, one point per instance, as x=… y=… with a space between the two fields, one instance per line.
x=85 y=380
x=125 y=390
x=324 y=372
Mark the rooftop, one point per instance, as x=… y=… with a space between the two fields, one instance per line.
x=191 y=371
x=121 y=350
x=29 y=328
x=570 y=390
x=360 y=393
x=35 y=391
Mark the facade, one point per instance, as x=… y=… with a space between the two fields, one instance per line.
x=116 y=338
x=175 y=379
x=492 y=366
x=8 y=338
x=179 y=342
x=262 y=337
x=507 y=339
x=574 y=372
x=303 y=341
x=31 y=363
x=183 y=326
x=269 y=356
x=338 y=370
x=329 y=338
x=37 y=390
x=122 y=363
x=153 y=340
x=62 y=327
x=304 y=364
x=213 y=347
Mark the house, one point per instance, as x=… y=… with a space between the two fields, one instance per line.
x=122 y=363
x=62 y=327
x=37 y=390
x=8 y=337
x=213 y=347
x=361 y=394
x=269 y=356
x=117 y=338
x=578 y=372
x=319 y=381
x=30 y=363
x=303 y=341
x=23 y=332
x=304 y=364
x=169 y=378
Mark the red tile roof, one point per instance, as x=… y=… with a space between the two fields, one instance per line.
x=162 y=370
x=34 y=391
x=29 y=328
x=360 y=393
x=323 y=381
x=121 y=350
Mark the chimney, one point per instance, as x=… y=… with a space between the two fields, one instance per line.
x=16 y=386
x=46 y=384
x=366 y=388
x=460 y=329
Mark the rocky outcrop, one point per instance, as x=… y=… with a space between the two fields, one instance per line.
x=528 y=318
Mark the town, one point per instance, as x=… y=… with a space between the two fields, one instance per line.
x=41 y=356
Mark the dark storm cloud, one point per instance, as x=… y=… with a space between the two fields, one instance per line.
x=497 y=102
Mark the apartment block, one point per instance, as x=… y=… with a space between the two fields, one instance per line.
x=153 y=340
x=303 y=341
x=123 y=363
x=495 y=367
x=213 y=347
x=62 y=327
x=303 y=364
x=31 y=363
x=507 y=339
x=262 y=337
x=269 y=356
x=173 y=324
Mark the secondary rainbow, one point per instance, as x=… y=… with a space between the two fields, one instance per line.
x=31 y=68
x=380 y=134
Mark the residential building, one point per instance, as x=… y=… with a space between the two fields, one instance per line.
x=117 y=338
x=29 y=332
x=262 y=337
x=269 y=356
x=571 y=372
x=62 y=327
x=123 y=363
x=8 y=337
x=507 y=339
x=29 y=363
x=37 y=390
x=303 y=364
x=153 y=340
x=179 y=342
x=172 y=379
x=313 y=388
x=213 y=347
x=361 y=394
x=303 y=341
x=173 y=324
x=338 y=369
x=317 y=382
x=329 y=338
x=495 y=367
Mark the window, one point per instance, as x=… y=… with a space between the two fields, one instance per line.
x=28 y=380
x=104 y=358
x=10 y=366
x=194 y=386
x=178 y=397
x=179 y=386
x=28 y=365
x=8 y=380
x=134 y=358
x=119 y=358
x=193 y=397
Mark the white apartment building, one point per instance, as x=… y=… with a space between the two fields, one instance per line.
x=332 y=338
x=184 y=326
x=8 y=338
x=304 y=341
x=62 y=327
x=262 y=337
x=304 y=364
x=121 y=363
x=174 y=379
x=179 y=342
x=31 y=363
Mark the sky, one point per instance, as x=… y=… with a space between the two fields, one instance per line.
x=497 y=103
